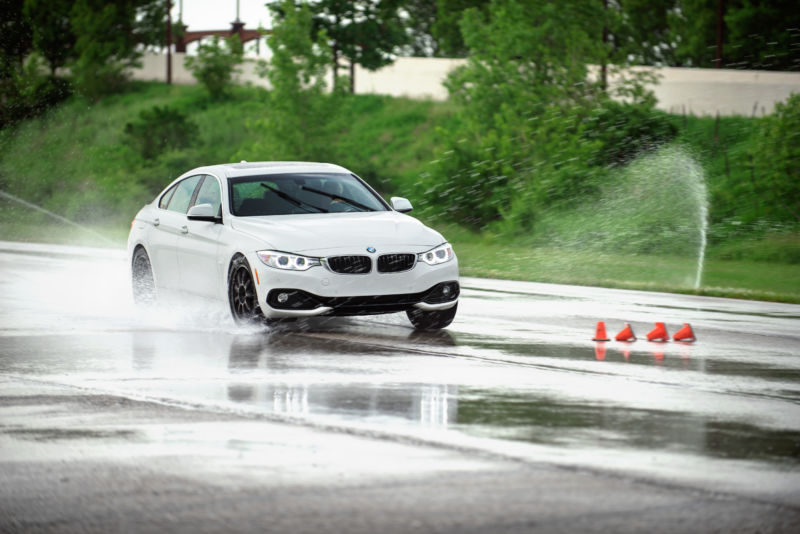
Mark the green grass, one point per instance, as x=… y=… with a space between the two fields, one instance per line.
x=676 y=274
x=19 y=223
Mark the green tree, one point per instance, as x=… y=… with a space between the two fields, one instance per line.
x=158 y=129
x=695 y=25
x=641 y=31
x=420 y=19
x=301 y=113
x=52 y=30
x=362 y=32
x=109 y=36
x=447 y=27
x=16 y=40
x=526 y=55
x=215 y=63
x=521 y=97
x=533 y=128
x=763 y=35
x=24 y=90
x=776 y=162
x=756 y=34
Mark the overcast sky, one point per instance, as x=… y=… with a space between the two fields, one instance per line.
x=218 y=14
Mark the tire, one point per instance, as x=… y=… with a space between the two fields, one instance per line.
x=242 y=295
x=142 y=282
x=432 y=320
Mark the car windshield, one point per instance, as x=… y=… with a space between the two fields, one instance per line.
x=301 y=193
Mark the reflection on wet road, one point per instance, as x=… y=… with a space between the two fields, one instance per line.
x=515 y=376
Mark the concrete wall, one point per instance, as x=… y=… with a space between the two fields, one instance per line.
x=727 y=92
x=695 y=91
x=154 y=68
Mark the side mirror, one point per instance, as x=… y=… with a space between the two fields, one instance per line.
x=401 y=204
x=202 y=212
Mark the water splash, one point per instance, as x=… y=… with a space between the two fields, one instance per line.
x=9 y=196
x=701 y=193
x=656 y=206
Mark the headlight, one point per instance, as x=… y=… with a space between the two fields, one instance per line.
x=286 y=262
x=441 y=254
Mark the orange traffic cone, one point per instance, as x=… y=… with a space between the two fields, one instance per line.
x=600 y=351
x=659 y=333
x=626 y=334
x=685 y=334
x=600 y=332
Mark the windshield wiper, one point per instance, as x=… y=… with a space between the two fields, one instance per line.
x=292 y=200
x=337 y=197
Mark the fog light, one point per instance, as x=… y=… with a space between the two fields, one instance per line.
x=283 y=297
x=446 y=290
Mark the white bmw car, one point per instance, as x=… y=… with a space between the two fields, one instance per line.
x=281 y=240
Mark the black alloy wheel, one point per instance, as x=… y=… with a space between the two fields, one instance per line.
x=242 y=293
x=432 y=320
x=144 y=287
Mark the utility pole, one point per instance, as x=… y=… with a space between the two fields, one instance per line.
x=169 y=43
x=720 y=28
x=604 y=66
x=237 y=25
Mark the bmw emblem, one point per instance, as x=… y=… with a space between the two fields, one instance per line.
x=371 y=250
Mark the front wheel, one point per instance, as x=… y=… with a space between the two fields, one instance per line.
x=431 y=320
x=144 y=287
x=242 y=295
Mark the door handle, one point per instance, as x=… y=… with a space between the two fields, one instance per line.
x=184 y=229
x=156 y=222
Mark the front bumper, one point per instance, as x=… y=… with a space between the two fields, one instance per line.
x=352 y=294
x=297 y=303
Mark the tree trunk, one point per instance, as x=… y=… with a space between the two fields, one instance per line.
x=352 y=77
x=604 y=66
x=169 y=43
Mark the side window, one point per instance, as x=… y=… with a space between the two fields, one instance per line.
x=183 y=194
x=166 y=196
x=209 y=193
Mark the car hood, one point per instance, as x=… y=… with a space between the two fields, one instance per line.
x=325 y=234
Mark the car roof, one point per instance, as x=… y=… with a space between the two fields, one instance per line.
x=245 y=168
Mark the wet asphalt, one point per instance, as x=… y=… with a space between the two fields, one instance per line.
x=118 y=419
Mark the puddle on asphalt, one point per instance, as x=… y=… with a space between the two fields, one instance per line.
x=345 y=373
x=667 y=356
x=548 y=422
x=66 y=434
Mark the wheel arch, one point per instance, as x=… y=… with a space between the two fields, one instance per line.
x=138 y=246
x=234 y=257
x=240 y=261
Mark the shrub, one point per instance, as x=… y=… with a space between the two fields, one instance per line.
x=776 y=162
x=505 y=176
x=215 y=64
x=158 y=129
x=30 y=93
x=625 y=130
